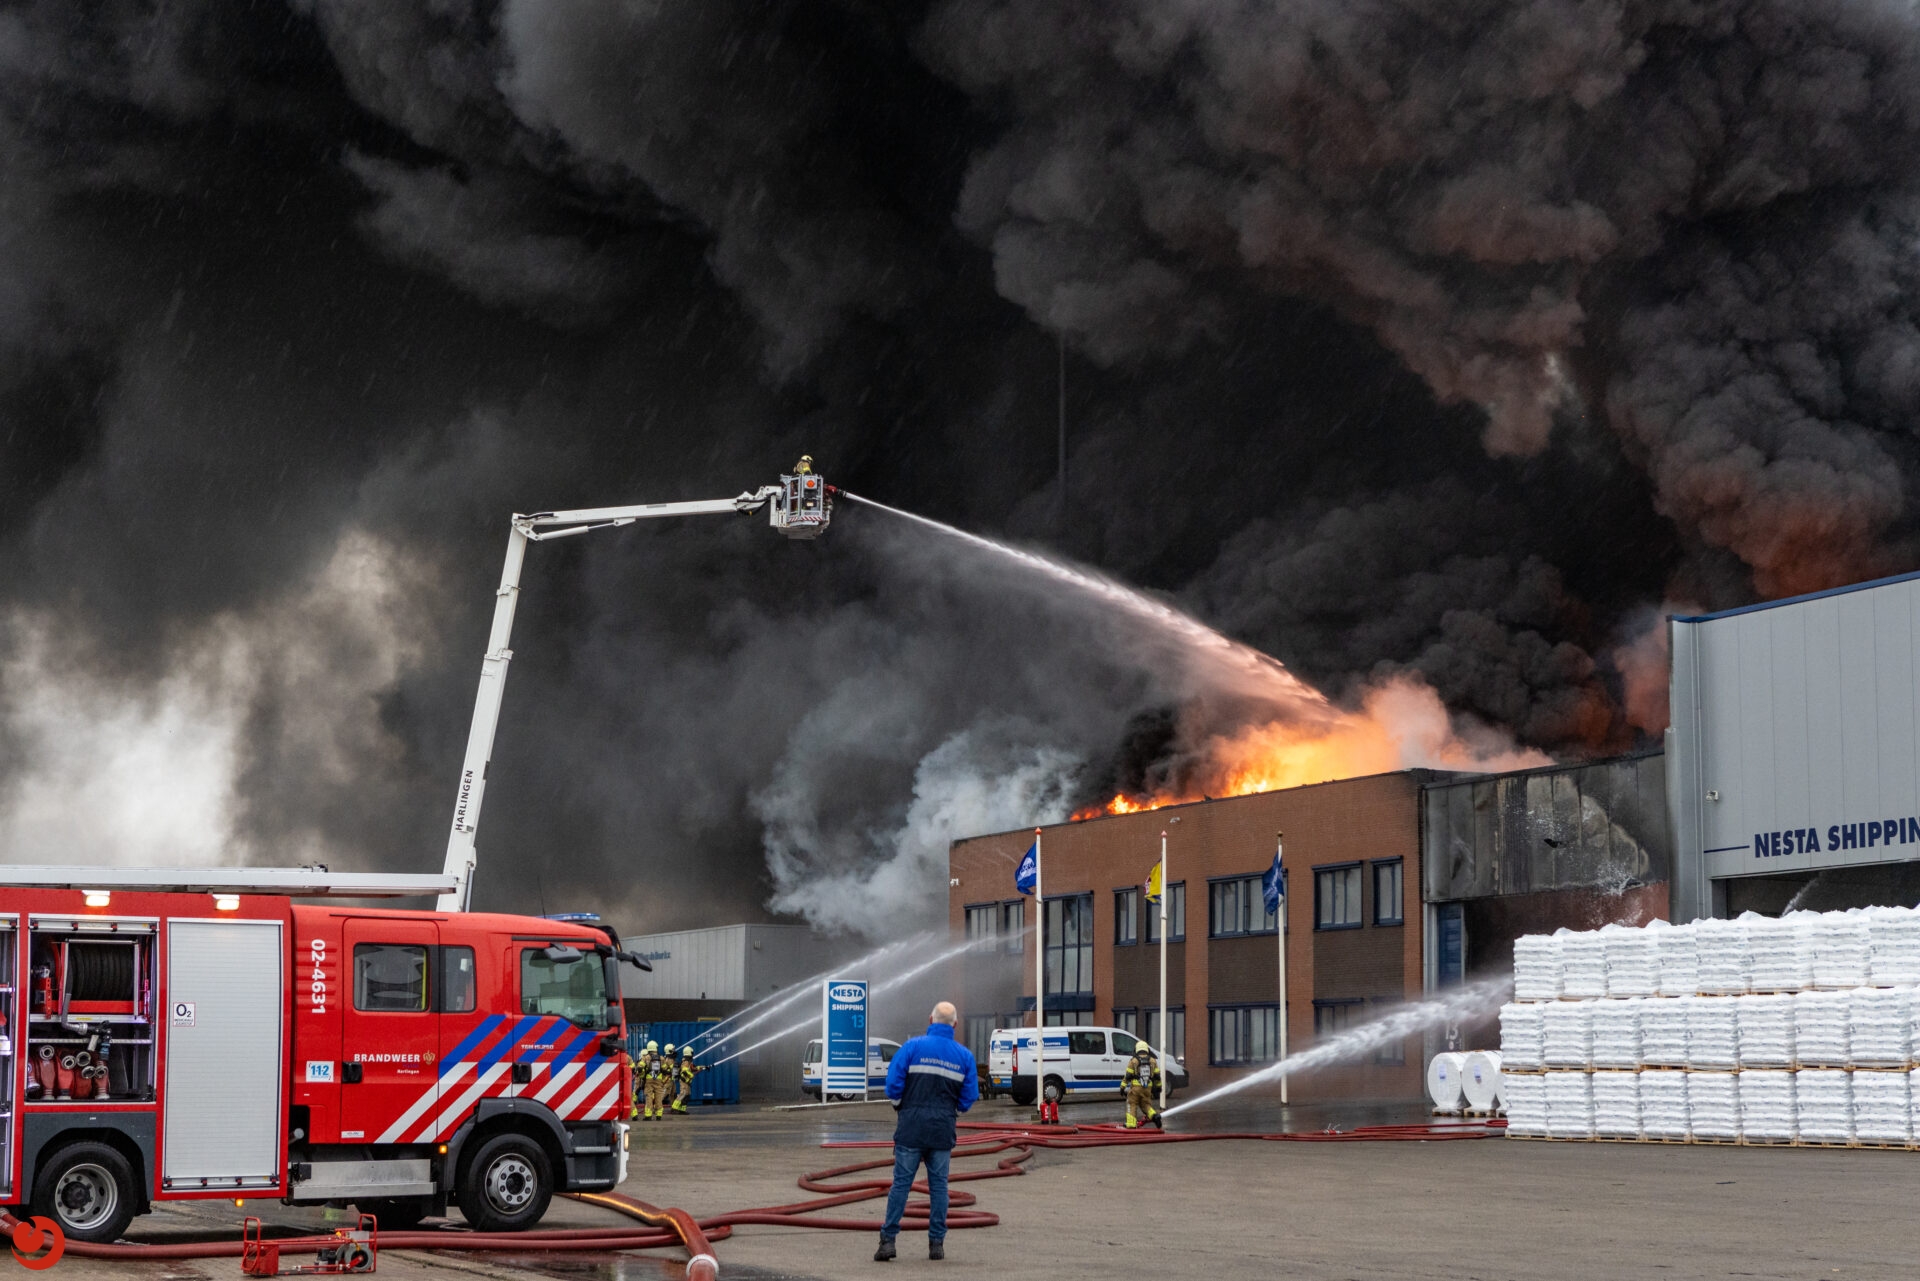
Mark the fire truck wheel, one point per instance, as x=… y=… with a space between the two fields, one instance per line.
x=88 y=1190
x=506 y=1185
x=401 y=1214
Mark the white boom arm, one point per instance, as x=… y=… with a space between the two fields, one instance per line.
x=800 y=506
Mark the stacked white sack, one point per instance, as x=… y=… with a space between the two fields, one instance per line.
x=1882 y=1110
x=1536 y=967
x=1521 y=1045
x=1480 y=1080
x=1840 y=950
x=1724 y=963
x=1713 y=1037
x=1893 y=946
x=1766 y=1031
x=1616 y=1105
x=1583 y=964
x=1782 y=953
x=1663 y=1031
x=1679 y=951
x=1616 y=1032
x=1526 y=1103
x=1569 y=1105
x=1713 y=1105
x=1766 y=1105
x=1633 y=961
x=1823 y=1105
x=1880 y=1027
x=1820 y=1028
x=1663 y=1104
x=1566 y=1034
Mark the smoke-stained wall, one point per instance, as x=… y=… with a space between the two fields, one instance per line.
x=1430 y=339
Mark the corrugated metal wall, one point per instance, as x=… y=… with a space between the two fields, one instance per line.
x=1796 y=736
x=1596 y=826
x=690 y=965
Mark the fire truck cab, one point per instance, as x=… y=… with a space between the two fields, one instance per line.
x=197 y=1034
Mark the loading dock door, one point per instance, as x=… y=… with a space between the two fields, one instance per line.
x=226 y=999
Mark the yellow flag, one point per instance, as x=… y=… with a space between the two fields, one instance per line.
x=1153 y=884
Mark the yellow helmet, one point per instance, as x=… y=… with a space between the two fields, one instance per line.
x=669 y=1047
x=653 y=1047
x=686 y=1051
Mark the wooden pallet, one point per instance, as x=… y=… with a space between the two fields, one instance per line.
x=1748 y=1142
x=1713 y=1142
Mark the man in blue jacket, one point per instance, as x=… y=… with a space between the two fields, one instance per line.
x=931 y=1081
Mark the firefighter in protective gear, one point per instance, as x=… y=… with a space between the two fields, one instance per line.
x=688 y=1070
x=651 y=1052
x=655 y=1080
x=1141 y=1081
x=805 y=466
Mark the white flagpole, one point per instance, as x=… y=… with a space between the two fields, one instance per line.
x=1280 y=922
x=1166 y=1034
x=1039 y=980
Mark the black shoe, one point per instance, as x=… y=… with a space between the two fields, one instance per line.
x=886 y=1251
x=936 y=1249
x=1158 y=1124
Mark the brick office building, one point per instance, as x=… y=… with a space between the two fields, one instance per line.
x=1354 y=928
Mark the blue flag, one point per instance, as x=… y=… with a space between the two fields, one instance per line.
x=1029 y=871
x=1273 y=885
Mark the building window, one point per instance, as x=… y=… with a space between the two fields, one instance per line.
x=1127 y=1020
x=1336 y=897
x=1236 y=907
x=1013 y=925
x=1177 y=1019
x=983 y=922
x=1242 y=1035
x=1176 y=915
x=1386 y=893
x=1332 y=1017
x=980 y=1033
x=1070 y=945
x=1126 y=917
x=1394 y=1052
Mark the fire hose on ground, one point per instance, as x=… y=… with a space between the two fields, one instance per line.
x=1014 y=1144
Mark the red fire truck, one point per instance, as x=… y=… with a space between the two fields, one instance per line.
x=255 y=1032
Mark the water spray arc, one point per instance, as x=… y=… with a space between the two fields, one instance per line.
x=1458 y=1003
x=807 y=987
x=1229 y=665
x=884 y=985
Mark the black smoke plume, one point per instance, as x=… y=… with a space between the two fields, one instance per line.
x=1447 y=338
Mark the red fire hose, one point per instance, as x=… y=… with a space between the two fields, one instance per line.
x=673 y=1227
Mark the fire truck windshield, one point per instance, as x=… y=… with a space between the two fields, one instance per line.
x=575 y=988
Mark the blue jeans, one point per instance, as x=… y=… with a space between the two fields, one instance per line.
x=906 y=1163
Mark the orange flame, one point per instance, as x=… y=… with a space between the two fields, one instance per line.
x=1401 y=725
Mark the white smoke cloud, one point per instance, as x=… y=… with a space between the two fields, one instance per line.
x=157 y=773
x=990 y=777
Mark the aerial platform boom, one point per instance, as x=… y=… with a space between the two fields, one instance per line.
x=800 y=506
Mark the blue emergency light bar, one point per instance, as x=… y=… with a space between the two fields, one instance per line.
x=574 y=918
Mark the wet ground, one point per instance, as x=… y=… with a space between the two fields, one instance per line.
x=1490 y=1209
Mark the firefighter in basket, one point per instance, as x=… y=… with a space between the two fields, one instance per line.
x=659 y=1078
x=688 y=1070
x=1141 y=1081
x=646 y=1055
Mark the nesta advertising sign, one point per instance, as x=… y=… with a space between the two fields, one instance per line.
x=843 y=1035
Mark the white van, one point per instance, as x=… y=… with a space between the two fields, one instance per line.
x=880 y=1052
x=1080 y=1059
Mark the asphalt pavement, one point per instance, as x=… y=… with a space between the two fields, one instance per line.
x=1483 y=1210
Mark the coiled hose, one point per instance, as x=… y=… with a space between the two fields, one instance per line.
x=673 y=1227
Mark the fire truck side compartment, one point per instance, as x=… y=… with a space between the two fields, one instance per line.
x=349 y=1180
x=225 y=1079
